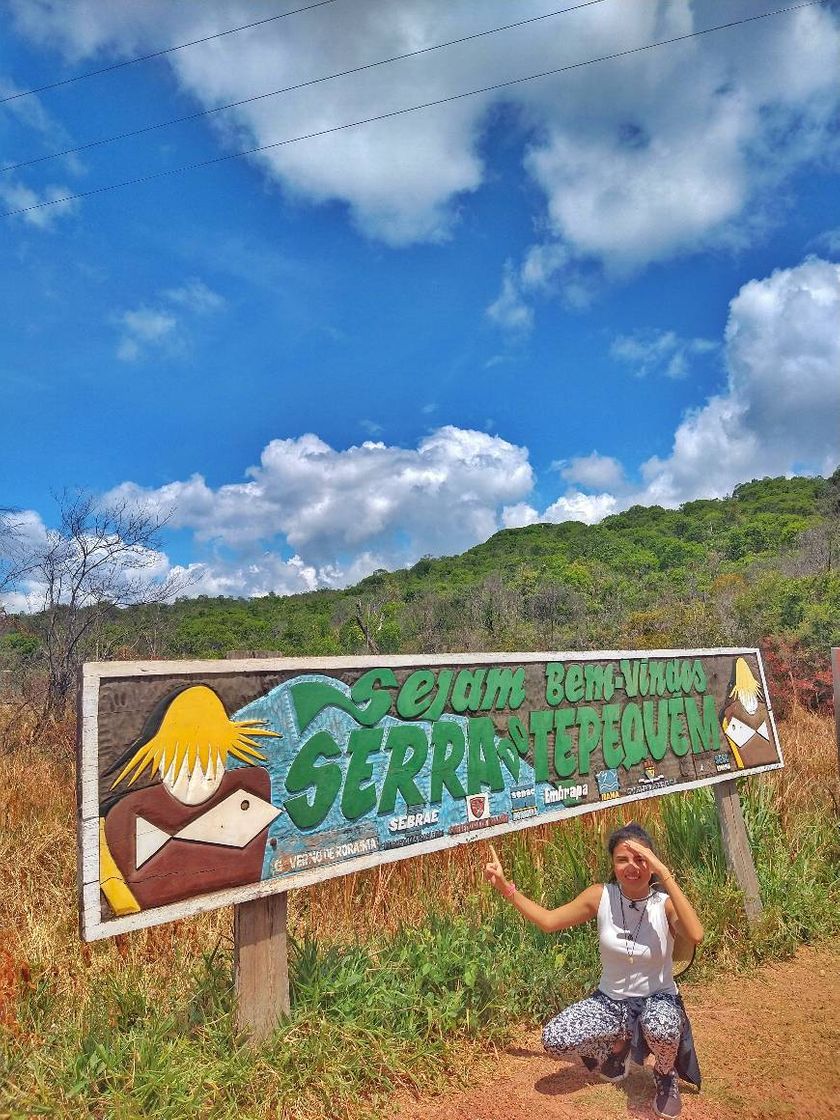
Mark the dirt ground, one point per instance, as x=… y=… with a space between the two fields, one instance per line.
x=768 y=1043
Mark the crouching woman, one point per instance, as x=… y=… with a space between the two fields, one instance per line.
x=636 y=1008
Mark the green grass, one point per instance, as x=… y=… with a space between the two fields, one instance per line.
x=399 y=1009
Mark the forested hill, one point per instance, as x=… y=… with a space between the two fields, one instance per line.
x=761 y=564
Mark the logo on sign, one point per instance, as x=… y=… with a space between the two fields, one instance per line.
x=478 y=806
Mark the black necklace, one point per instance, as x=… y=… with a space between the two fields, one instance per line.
x=630 y=949
x=634 y=901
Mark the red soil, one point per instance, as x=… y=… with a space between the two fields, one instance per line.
x=769 y=1048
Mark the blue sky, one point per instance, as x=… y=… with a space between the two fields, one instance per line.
x=616 y=285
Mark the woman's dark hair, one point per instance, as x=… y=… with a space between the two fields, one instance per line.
x=632 y=831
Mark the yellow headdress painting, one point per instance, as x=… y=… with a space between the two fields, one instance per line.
x=746 y=687
x=191 y=746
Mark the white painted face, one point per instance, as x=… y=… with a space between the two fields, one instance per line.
x=192 y=787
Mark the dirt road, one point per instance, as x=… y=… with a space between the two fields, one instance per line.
x=769 y=1047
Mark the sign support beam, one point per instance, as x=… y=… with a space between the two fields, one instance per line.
x=261 y=965
x=736 y=847
x=835 y=673
x=260 y=947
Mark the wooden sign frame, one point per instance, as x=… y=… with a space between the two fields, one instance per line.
x=113 y=680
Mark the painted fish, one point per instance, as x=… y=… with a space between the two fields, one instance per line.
x=233 y=823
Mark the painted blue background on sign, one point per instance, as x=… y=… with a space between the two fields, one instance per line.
x=285 y=839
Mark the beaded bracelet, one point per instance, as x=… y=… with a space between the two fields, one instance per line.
x=509 y=891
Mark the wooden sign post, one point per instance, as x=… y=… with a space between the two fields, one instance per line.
x=835 y=673
x=736 y=847
x=261 y=965
x=260 y=946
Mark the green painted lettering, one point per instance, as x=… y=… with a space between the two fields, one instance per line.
x=574 y=684
x=644 y=678
x=656 y=734
x=310 y=698
x=541 y=724
x=305 y=774
x=656 y=671
x=517 y=732
x=444 y=683
x=589 y=735
x=599 y=681
x=466 y=693
x=704 y=732
x=448 y=754
x=415 y=696
x=483 y=767
x=632 y=735
x=613 y=754
x=507 y=755
x=554 y=673
x=367 y=690
x=676 y=715
x=686 y=681
x=565 y=755
x=700 y=682
x=504 y=690
x=359 y=794
x=630 y=672
x=409 y=747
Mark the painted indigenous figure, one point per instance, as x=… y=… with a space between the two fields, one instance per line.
x=745 y=720
x=200 y=827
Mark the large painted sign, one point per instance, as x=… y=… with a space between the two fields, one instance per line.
x=208 y=783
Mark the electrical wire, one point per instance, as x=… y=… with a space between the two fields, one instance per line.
x=297 y=86
x=160 y=53
x=408 y=109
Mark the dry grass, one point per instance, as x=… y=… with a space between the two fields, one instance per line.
x=140 y=1026
x=38 y=909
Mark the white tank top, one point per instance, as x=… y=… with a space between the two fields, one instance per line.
x=651 y=969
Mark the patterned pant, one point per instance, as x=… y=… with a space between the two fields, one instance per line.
x=592 y=1028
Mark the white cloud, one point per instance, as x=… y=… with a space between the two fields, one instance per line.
x=673 y=150
x=42 y=130
x=575 y=505
x=594 y=471
x=514 y=517
x=547 y=269
x=143 y=328
x=657 y=351
x=828 y=242
x=348 y=512
x=344 y=513
x=15 y=195
x=777 y=415
x=261 y=575
x=509 y=310
x=161 y=326
x=195 y=296
x=636 y=159
x=780 y=410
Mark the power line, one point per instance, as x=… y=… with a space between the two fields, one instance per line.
x=297 y=86
x=166 y=50
x=409 y=109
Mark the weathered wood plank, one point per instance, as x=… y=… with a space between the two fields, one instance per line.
x=261 y=965
x=102 y=670
x=835 y=672
x=736 y=847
